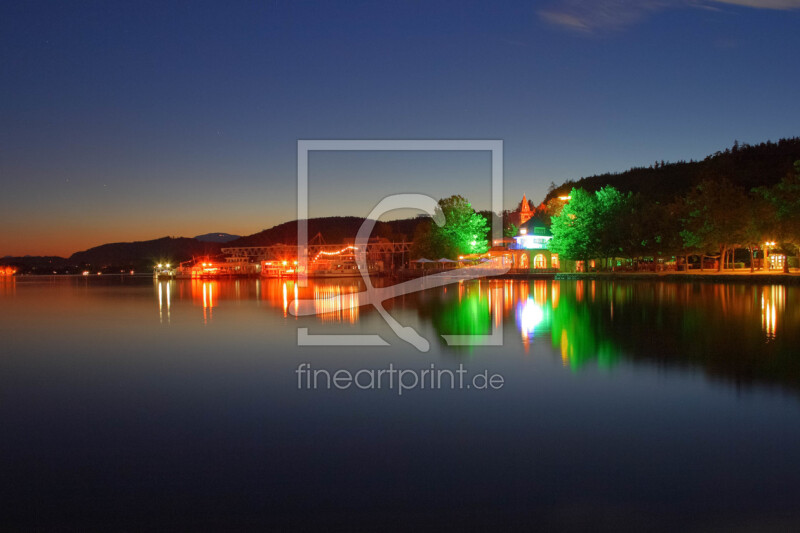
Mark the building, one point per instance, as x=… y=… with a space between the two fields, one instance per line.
x=527 y=251
x=523 y=213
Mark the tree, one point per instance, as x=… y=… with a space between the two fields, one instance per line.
x=464 y=231
x=574 y=229
x=613 y=221
x=784 y=201
x=594 y=225
x=716 y=218
x=757 y=227
x=652 y=229
x=423 y=241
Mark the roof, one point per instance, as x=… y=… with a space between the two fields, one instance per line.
x=535 y=226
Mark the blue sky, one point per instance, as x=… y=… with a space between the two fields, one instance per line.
x=132 y=121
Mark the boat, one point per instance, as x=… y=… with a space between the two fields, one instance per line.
x=205 y=268
x=160 y=271
x=278 y=269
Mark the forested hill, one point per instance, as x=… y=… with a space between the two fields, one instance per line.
x=333 y=230
x=744 y=165
x=144 y=254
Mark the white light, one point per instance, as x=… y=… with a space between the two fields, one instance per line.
x=529 y=316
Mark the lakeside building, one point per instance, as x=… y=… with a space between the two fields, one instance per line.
x=527 y=251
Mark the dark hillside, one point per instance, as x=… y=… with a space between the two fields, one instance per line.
x=333 y=230
x=142 y=255
x=744 y=165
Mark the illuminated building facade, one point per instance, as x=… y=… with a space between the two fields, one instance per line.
x=528 y=249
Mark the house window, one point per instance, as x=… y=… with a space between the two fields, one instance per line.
x=554 y=261
x=539 y=261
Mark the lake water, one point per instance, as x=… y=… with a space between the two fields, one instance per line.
x=132 y=404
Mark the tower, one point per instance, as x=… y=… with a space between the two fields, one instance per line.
x=525 y=212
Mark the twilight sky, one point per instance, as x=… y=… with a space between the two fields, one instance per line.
x=135 y=120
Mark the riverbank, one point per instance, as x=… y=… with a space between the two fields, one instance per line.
x=711 y=276
x=760 y=278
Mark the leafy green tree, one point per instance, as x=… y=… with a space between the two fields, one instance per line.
x=613 y=221
x=574 y=229
x=594 y=225
x=464 y=231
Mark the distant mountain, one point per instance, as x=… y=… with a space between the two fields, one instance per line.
x=217 y=237
x=744 y=165
x=333 y=230
x=142 y=255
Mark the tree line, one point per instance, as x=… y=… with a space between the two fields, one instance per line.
x=744 y=165
x=714 y=219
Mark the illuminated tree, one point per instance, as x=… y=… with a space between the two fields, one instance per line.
x=464 y=231
x=511 y=230
x=614 y=222
x=574 y=229
x=593 y=225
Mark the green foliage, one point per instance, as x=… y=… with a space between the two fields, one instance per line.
x=717 y=214
x=464 y=231
x=574 y=234
x=592 y=225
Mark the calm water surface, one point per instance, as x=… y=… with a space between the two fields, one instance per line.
x=132 y=404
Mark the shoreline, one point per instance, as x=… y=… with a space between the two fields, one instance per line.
x=758 y=278
x=745 y=277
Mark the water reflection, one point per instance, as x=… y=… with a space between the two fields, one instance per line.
x=336 y=303
x=740 y=332
x=8 y=285
x=772 y=306
x=529 y=315
x=721 y=328
x=164 y=300
x=208 y=298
